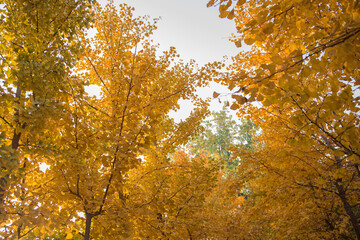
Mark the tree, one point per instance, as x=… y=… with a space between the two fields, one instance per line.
x=37 y=49
x=182 y=195
x=303 y=70
x=220 y=133
x=168 y=195
x=99 y=140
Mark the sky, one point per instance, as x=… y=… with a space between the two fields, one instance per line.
x=194 y=30
x=197 y=32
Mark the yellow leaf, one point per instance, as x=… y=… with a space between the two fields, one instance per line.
x=223 y=14
x=231 y=14
x=8 y=38
x=234 y=106
x=210 y=3
x=300 y=23
x=240 y=99
x=69 y=235
x=249 y=41
x=276 y=59
x=260 y=97
x=266 y=102
x=268 y=28
x=240 y=2
x=215 y=94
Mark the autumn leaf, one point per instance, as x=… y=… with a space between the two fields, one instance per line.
x=234 y=106
x=215 y=94
x=238 y=43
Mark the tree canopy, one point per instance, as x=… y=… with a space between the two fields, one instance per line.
x=303 y=69
x=220 y=132
x=96 y=147
x=115 y=166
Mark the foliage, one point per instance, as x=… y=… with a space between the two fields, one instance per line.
x=93 y=145
x=303 y=69
x=114 y=169
x=169 y=195
x=38 y=47
x=220 y=133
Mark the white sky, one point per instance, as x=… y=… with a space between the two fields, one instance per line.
x=194 y=30
x=197 y=32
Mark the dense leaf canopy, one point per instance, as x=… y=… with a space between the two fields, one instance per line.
x=303 y=69
x=116 y=166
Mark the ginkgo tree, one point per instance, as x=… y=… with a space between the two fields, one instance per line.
x=37 y=49
x=186 y=194
x=166 y=194
x=99 y=139
x=303 y=69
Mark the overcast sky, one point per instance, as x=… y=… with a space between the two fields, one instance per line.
x=194 y=30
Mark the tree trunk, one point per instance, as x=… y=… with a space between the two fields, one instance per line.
x=348 y=209
x=14 y=145
x=3 y=187
x=88 y=217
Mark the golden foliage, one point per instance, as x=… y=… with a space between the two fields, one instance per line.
x=303 y=71
x=95 y=147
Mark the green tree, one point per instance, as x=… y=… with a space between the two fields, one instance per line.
x=221 y=132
